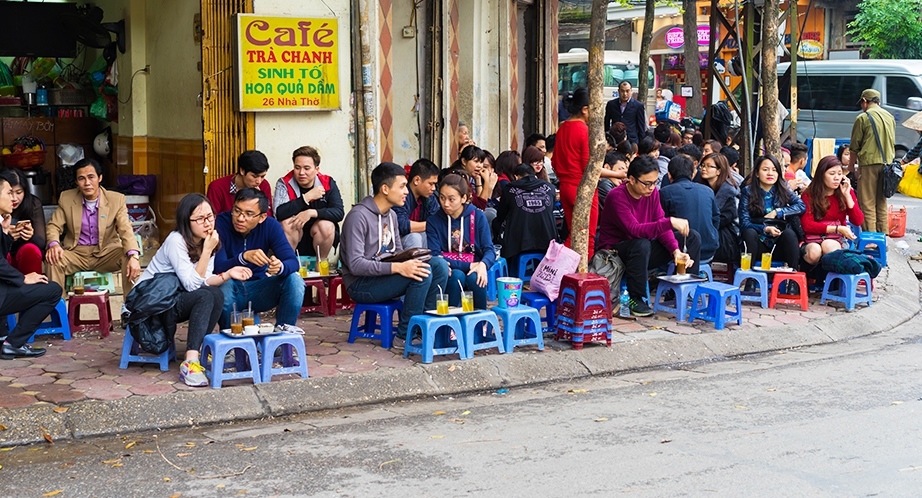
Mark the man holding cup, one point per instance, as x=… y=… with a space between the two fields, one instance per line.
x=634 y=224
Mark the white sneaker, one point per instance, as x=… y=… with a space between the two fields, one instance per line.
x=291 y=329
x=193 y=374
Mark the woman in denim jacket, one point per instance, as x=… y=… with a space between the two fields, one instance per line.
x=766 y=205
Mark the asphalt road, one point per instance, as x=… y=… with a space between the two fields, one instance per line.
x=842 y=419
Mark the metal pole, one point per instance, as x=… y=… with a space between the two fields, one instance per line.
x=795 y=46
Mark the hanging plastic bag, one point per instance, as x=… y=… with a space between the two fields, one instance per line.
x=99 y=109
x=559 y=261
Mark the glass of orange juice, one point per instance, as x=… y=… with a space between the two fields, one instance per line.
x=441 y=304
x=746 y=261
x=766 y=261
x=467 y=301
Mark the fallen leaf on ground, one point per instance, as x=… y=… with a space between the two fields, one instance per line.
x=220 y=486
x=176 y=495
x=68 y=464
x=915 y=467
x=664 y=441
x=576 y=391
x=129 y=445
x=60 y=409
x=740 y=407
x=438 y=413
x=601 y=419
x=148 y=451
x=183 y=454
x=457 y=420
x=8 y=449
x=117 y=465
x=239 y=445
x=466 y=412
x=46 y=435
x=771 y=389
x=897 y=403
x=387 y=462
x=190 y=445
x=652 y=394
x=114 y=460
x=166 y=479
x=251 y=448
x=55 y=492
x=436 y=437
x=242 y=492
x=451 y=368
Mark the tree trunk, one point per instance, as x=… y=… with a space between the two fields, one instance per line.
x=643 y=81
x=587 y=186
x=694 y=105
x=770 y=40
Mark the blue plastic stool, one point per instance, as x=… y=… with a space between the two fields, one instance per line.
x=714 y=309
x=475 y=333
x=218 y=345
x=761 y=278
x=683 y=292
x=847 y=290
x=526 y=258
x=385 y=311
x=59 y=323
x=429 y=345
x=268 y=344
x=880 y=253
x=624 y=284
x=499 y=269
x=538 y=301
x=515 y=323
x=132 y=353
x=702 y=268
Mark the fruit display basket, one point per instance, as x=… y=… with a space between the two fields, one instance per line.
x=24 y=160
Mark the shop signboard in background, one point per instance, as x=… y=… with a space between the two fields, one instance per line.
x=675 y=37
x=287 y=63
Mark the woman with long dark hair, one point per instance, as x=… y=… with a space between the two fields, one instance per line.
x=482 y=180
x=716 y=174
x=189 y=253
x=765 y=202
x=534 y=157
x=27 y=227
x=830 y=202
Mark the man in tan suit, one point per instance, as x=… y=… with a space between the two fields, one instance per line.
x=96 y=230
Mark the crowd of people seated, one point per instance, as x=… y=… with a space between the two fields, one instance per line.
x=662 y=197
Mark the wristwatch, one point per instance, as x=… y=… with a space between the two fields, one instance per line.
x=135 y=256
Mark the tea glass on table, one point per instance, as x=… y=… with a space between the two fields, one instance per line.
x=236 y=323
x=766 y=261
x=467 y=301
x=302 y=269
x=78 y=284
x=746 y=261
x=323 y=266
x=680 y=262
x=248 y=318
x=441 y=304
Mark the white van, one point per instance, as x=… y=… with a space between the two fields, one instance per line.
x=573 y=72
x=828 y=92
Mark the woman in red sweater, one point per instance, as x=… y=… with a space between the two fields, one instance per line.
x=829 y=200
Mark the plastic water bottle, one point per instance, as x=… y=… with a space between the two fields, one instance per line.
x=625 y=311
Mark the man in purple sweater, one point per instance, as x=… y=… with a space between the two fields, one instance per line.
x=633 y=223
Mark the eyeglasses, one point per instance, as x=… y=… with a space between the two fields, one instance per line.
x=203 y=219
x=710 y=166
x=647 y=185
x=246 y=215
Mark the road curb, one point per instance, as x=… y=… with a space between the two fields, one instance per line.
x=207 y=406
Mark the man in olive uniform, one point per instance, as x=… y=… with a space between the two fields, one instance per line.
x=871 y=159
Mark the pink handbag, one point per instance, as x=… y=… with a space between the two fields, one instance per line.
x=462 y=255
x=559 y=261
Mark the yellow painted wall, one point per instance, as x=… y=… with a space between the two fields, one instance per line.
x=279 y=133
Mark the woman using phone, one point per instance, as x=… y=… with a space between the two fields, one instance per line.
x=189 y=253
x=764 y=204
x=830 y=201
x=27 y=227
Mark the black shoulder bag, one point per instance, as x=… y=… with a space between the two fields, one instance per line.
x=893 y=172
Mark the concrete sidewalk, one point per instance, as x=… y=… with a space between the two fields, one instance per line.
x=78 y=390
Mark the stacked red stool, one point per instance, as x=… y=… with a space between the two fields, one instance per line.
x=584 y=309
x=98 y=299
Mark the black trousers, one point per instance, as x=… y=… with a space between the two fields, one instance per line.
x=787 y=247
x=202 y=307
x=33 y=302
x=642 y=255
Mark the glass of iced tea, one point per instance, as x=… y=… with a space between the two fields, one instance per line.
x=236 y=323
x=323 y=266
x=302 y=270
x=441 y=305
x=248 y=318
x=680 y=262
x=467 y=301
x=746 y=261
x=766 y=261
x=78 y=284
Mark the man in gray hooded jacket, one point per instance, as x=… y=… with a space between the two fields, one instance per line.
x=369 y=234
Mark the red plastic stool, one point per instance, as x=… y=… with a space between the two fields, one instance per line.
x=98 y=299
x=584 y=309
x=310 y=305
x=344 y=303
x=776 y=297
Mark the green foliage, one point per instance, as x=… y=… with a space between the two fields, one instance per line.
x=890 y=29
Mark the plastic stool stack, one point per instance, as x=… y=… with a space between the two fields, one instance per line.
x=383 y=311
x=761 y=279
x=710 y=304
x=584 y=312
x=844 y=289
x=132 y=353
x=435 y=337
x=217 y=346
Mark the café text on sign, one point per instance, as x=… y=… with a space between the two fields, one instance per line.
x=287 y=63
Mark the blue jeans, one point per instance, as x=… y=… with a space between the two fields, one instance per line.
x=418 y=296
x=470 y=284
x=286 y=293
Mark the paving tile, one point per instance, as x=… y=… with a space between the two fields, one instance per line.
x=765 y=322
x=58 y=396
x=64 y=366
x=791 y=318
x=356 y=367
x=88 y=384
x=34 y=380
x=393 y=362
x=22 y=371
x=322 y=371
x=107 y=394
x=136 y=380
x=683 y=330
x=320 y=350
x=152 y=389
x=64 y=382
x=80 y=374
x=15 y=400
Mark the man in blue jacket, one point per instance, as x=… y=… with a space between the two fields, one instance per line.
x=629 y=111
x=250 y=238
x=421 y=203
x=694 y=202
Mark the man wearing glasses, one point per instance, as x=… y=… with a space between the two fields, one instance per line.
x=634 y=225
x=250 y=238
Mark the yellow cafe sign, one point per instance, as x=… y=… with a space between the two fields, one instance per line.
x=287 y=63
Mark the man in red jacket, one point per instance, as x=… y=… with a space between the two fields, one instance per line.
x=252 y=166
